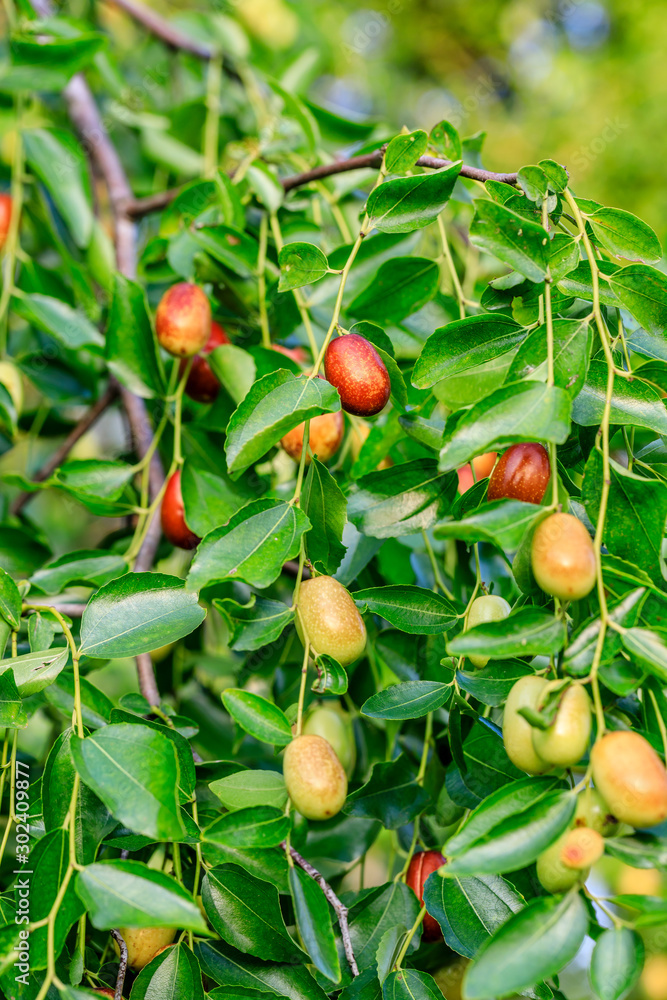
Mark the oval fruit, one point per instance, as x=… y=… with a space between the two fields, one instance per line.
x=325 y=437
x=517 y=731
x=582 y=848
x=143 y=943
x=328 y=619
x=314 y=777
x=631 y=778
x=202 y=385
x=173 y=516
x=488 y=608
x=5 y=217
x=335 y=726
x=183 y=320
x=354 y=367
x=482 y=465
x=553 y=874
x=565 y=741
x=523 y=473
x=421 y=866
x=295 y=353
x=563 y=558
x=653 y=980
x=593 y=811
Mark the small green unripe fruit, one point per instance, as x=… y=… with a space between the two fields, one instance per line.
x=143 y=943
x=563 y=558
x=517 y=731
x=314 y=777
x=564 y=743
x=631 y=778
x=328 y=619
x=485 y=609
x=593 y=812
x=335 y=726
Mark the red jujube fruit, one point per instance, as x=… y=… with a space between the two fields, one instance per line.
x=354 y=367
x=523 y=473
x=202 y=385
x=173 y=516
x=5 y=217
x=421 y=866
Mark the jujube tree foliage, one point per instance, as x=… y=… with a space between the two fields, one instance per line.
x=385 y=540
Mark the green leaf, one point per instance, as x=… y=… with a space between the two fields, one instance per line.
x=134 y=770
x=534 y=183
x=404 y=150
x=234 y=368
x=237 y=250
x=409 y=984
x=245 y=911
x=399 y=288
x=69 y=327
x=512 y=238
x=375 y=913
x=572 y=344
x=641 y=851
x=530 y=631
x=10 y=600
x=465 y=344
x=49 y=860
x=274 y=405
x=255 y=624
x=129 y=894
x=131 y=348
x=210 y=498
x=253 y=546
x=411 y=609
x=401 y=500
x=12 y=712
x=246 y=789
x=332 y=676
x=648 y=649
x=266 y=185
x=85 y=568
x=556 y=174
x=35 y=671
x=642 y=290
x=616 y=963
x=624 y=235
x=313 y=920
x=257 y=826
x=502 y=522
x=470 y=909
x=136 y=613
x=409 y=203
x=59 y=161
x=446 y=141
x=301 y=264
x=580 y=653
x=391 y=795
x=492 y=684
x=521 y=411
x=325 y=506
x=257 y=716
x=232 y=968
x=174 y=973
x=410 y=700
x=632 y=402
x=533 y=945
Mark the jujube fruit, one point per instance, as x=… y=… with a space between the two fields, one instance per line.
x=563 y=558
x=202 y=385
x=295 y=353
x=335 y=726
x=328 y=619
x=553 y=873
x=517 y=731
x=488 y=608
x=325 y=436
x=594 y=812
x=173 y=516
x=523 y=473
x=482 y=465
x=314 y=777
x=354 y=367
x=653 y=980
x=631 y=778
x=183 y=320
x=5 y=217
x=565 y=741
x=421 y=866
x=143 y=943
x=582 y=848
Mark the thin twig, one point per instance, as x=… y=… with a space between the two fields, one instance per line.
x=147 y=682
x=164 y=30
x=341 y=911
x=122 y=968
x=61 y=453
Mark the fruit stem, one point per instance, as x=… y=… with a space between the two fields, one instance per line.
x=75 y=658
x=261 y=273
x=296 y=292
x=296 y=499
x=411 y=933
x=302 y=688
x=428 y=732
x=439 y=582
x=339 y=299
x=12 y=242
x=460 y=298
x=212 y=122
x=548 y=312
x=178 y=415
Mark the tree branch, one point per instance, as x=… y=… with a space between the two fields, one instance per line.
x=164 y=30
x=341 y=911
x=122 y=968
x=61 y=453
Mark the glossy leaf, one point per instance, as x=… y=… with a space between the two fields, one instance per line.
x=632 y=403
x=411 y=609
x=131 y=347
x=528 y=632
x=246 y=789
x=255 y=624
x=624 y=235
x=404 y=150
x=512 y=238
x=411 y=700
x=617 y=962
x=409 y=203
x=400 y=287
x=300 y=264
x=58 y=160
x=257 y=716
x=391 y=795
x=409 y=984
x=69 y=327
x=643 y=292
x=324 y=504
x=10 y=600
x=313 y=920
x=470 y=909
x=128 y=893
x=258 y=826
x=465 y=344
x=175 y=972
x=502 y=522
x=401 y=500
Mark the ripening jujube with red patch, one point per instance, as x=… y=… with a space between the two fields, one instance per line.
x=314 y=777
x=631 y=777
x=325 y=436
x=172 y=515
x=482 y=466
x=183 y=320
x=5 y=217
x=563 y=558
x=202 y=384
x=354 y=367
x=522 y=473
x=421 y=866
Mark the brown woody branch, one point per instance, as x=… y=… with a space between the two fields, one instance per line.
x=340 y=910
x=122 y=968
x=162 y=29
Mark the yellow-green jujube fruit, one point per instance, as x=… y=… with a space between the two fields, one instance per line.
x=12 y=380
x=565 y=741
x=314 y=777
x=631 y=777
x=334 y=725
x=563 y=558
x=595 y=813
x=517 y=731
x=143 y=943
x=328 y=619
x=568 y=861
x=485 y=609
